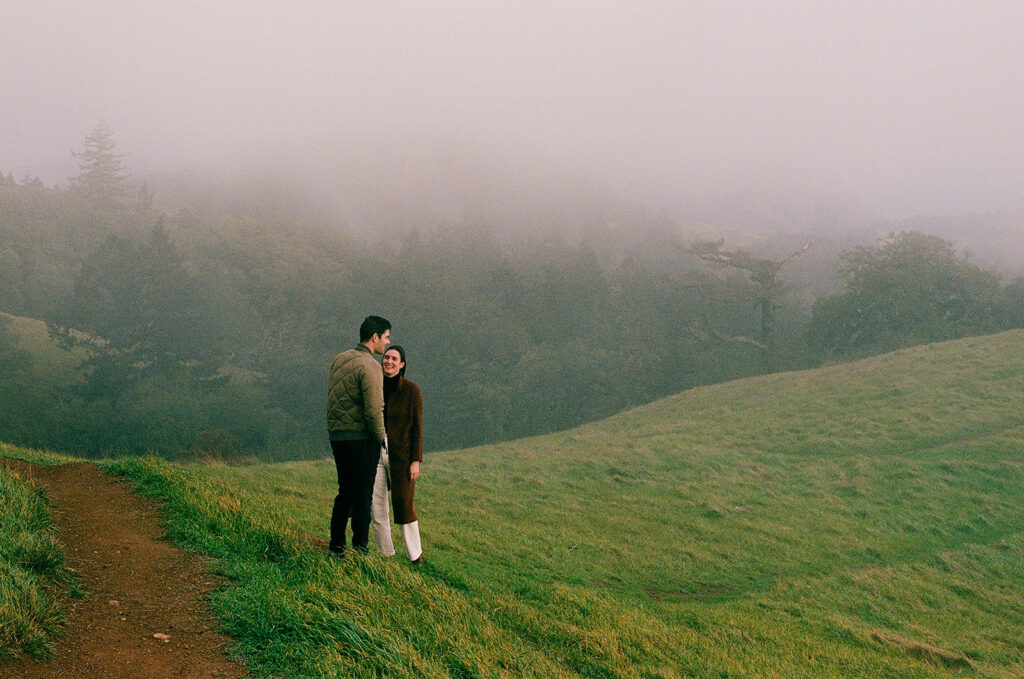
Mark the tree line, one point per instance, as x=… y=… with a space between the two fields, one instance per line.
x=188 y=337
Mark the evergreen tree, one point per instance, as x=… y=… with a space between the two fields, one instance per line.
x=102 y=178
x=136 y=295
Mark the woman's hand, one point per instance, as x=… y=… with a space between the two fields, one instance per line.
x=414 y=470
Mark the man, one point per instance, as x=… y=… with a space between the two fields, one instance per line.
x=355 y=423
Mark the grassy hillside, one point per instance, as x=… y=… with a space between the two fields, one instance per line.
x=861 y=520
x=33 y=368
x=31 y=335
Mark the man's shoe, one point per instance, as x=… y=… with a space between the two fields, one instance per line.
x=418 y=561
x=336 y=553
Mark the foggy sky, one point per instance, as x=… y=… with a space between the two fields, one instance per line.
x=912 y=107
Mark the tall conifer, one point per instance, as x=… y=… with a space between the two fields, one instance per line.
x=102 y=178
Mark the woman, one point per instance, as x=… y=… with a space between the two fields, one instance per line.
x=400 y=462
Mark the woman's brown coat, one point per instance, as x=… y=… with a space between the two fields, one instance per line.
x=403 y=419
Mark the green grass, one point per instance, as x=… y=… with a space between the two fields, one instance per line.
x=34 y=455
x=31 y=565
x=861 y=520
x=50 y=363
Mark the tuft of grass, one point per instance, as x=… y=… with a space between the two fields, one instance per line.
x=31 y=566
x=35 y=456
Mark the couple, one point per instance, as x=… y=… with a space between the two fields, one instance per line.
x=375 y=424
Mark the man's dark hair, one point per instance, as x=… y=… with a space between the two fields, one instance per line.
x=373 y=325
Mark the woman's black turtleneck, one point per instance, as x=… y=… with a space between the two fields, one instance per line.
x=390 y=385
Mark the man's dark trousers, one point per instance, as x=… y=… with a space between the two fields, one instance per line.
x=356 y=462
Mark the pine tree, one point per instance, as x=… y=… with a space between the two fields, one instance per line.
x=102 y=178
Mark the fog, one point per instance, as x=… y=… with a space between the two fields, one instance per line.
x=908 y=108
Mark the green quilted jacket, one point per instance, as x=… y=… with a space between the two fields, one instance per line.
x=355 y=396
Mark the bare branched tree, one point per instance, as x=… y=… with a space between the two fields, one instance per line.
x=763 y=273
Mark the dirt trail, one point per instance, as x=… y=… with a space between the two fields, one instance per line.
x=137 y=586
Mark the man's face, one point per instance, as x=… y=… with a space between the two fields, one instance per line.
x=378 y=343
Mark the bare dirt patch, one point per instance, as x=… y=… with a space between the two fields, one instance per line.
x=145 y=612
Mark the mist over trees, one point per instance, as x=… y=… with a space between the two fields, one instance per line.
x=191 y=335
x=911 y=288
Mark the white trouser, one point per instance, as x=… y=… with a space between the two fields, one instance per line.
x=379 y=508
x=382 y=517
x=411 y=535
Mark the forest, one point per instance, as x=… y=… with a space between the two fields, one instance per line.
x=197 y=336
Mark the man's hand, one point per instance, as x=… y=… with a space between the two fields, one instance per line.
x=414 y=470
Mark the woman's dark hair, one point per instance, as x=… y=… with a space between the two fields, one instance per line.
x=401 y=354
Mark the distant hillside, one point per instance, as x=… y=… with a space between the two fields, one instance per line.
x=33 y=367
x=859 y=520
x=30 y=332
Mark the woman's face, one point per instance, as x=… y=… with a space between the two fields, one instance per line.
x=392 y=362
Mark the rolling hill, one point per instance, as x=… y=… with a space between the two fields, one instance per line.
x=858 y=520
